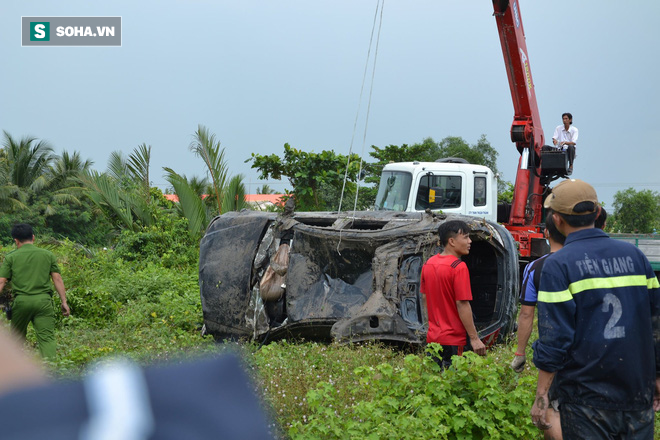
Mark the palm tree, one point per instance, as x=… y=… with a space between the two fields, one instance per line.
x=11 y=196
x=199 y=184
x=265 y=189
x=23 y=166
x=208 y=148
x=123 y=190
x=138 y=165
x=67 y=167
x=27 y=161
x=191 y=204
x=134 y=171
x=63 y=180
x=126 y=207
x=234 y=194
x=223 y=194
x=64 y=174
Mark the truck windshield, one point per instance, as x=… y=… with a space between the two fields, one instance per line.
x=393 y=191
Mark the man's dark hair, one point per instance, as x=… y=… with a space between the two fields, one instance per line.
x=600 y=220
x=451 y=229
x=22 y=232
x=553 y=232
x=580 y=220
x=570 y=117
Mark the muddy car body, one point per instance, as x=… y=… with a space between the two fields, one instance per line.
x=349 y=277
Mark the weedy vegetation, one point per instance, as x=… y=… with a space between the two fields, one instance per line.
x=145 y=305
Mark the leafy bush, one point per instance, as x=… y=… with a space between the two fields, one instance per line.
x=287 y=371
x=78 y=223
x=167 y=243
x=477 y=397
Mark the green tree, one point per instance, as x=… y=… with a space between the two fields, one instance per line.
x=191 y=204
x=44 y=190
x=427 y=151
x=62 y=184
x=635 y=211
x=62 y=206
x=265 y=189
x=27 y=161
x=124 y=209
x=132 y=173
x=123 y=192
x=11 y=197
x=234 y=194
x=481 y=153
x=23 y=168
x=67 y=169
x=200 y=199
x=307 y=173
x=208 y=148
x=505 y=193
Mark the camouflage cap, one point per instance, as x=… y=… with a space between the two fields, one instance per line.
x=569 y=193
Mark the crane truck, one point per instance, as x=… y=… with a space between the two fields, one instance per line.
x=453 y=186
x=356 y=276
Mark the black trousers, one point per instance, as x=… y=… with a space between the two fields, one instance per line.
x=571 y=154
x=451 y=350
x=585 y=422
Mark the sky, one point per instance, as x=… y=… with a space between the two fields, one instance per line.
x=262 y=73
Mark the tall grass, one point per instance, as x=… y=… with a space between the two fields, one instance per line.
x=151 y=312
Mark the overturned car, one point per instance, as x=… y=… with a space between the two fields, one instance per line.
x=348 y=276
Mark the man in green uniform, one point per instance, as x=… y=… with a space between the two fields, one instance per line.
x=30 y=270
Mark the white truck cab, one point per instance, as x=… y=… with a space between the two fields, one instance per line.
x=450 y=185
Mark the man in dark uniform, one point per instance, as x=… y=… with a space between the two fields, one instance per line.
x=528 y=299
x=30 y=270
x=599 y=327
x=529 y=293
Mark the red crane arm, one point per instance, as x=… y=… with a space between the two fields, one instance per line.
x=526 y=130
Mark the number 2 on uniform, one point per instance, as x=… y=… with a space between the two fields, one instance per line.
x=613 y=331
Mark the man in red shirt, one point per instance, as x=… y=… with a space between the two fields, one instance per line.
x=446 y=285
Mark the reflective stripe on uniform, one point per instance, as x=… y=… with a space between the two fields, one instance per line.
x=608 y=283
x=554 y=297
x=597 y=283
x=652 y=283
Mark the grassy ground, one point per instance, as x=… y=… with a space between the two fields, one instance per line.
x=288 y=374
x=152 y=313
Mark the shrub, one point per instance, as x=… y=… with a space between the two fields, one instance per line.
x=476 y=398
x=168 y=244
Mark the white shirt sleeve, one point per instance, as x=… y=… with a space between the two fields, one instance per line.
x=556 y=134
x=575 y=134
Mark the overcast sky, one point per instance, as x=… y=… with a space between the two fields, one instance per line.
x=262 y=73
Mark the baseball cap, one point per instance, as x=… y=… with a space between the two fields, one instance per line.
x=569 y=193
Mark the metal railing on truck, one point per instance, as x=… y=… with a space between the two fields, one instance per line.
x=649 y=244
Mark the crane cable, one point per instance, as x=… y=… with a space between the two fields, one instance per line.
x=379 y=6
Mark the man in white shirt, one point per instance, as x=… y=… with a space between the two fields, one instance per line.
x=566 y=136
